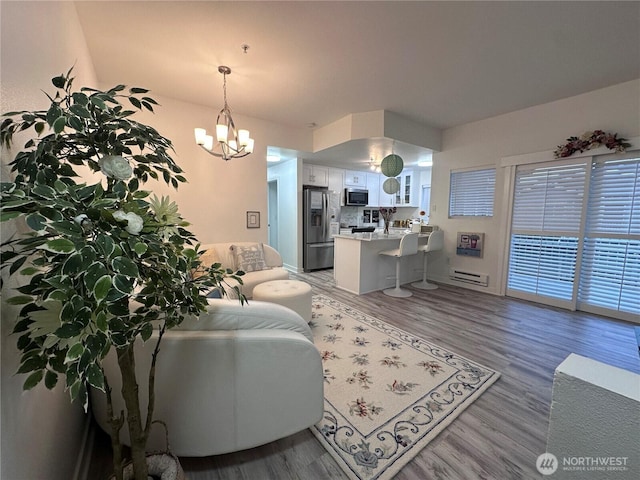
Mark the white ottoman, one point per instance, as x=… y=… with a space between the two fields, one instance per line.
x=293 y=294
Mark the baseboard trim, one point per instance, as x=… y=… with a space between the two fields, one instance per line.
x=83 y=461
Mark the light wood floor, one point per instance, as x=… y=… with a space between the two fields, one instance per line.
x=499 y=436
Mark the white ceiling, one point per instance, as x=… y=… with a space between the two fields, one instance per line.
x=441 y=64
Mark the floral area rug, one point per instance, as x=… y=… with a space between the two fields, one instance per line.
x=387 y=393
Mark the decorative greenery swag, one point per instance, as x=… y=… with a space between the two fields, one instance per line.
x=590 y=140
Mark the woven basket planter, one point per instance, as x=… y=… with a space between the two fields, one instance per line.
x=163 y=466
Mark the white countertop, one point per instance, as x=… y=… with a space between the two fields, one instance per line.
x=375 y=236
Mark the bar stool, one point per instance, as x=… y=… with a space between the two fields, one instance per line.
x=435 y=242
x=408 y=246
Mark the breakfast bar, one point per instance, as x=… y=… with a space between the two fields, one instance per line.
x=359 y=268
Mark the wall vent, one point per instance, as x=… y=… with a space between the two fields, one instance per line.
x=469 y=277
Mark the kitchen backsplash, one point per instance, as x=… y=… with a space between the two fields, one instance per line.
x=366 y=216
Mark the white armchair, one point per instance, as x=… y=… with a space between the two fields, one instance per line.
x=237 y=377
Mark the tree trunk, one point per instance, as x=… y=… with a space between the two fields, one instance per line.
x=116 y=426
x=137 y=434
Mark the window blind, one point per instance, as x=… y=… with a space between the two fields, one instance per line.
x=549 y=199
x=472 y=192
x=543 y=265
x=614 y=198
x=546 y=222
x=610 y=274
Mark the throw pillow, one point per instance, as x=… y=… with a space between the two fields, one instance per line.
x=214 y=293
x=249 y=258
x=208 y=258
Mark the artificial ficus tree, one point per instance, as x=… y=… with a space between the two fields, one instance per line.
x=106 y=263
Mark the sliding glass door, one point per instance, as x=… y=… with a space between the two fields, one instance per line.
x=545 y=232
x=575 y=235
x=610 y=270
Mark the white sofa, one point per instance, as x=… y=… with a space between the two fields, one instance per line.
x=237 y=377
x=224 y=253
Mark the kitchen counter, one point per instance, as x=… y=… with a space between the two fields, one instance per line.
x=375 y=236
x=359 y=268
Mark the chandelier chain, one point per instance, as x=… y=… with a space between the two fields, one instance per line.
x=224 y=90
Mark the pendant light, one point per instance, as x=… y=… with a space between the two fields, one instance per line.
x=229 y=142
x=391 y=165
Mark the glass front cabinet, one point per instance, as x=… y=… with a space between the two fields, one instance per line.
x=406 y=195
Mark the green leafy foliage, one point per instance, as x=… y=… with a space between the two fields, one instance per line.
x=104 y=265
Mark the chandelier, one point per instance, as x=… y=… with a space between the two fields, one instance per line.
x=230 y=143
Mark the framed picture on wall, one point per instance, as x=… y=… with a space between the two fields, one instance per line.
x=253 y=219
x=470 y=244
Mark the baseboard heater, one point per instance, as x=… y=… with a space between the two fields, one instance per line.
x=469 y=277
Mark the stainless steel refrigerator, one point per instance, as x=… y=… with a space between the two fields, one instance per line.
x=317 y=216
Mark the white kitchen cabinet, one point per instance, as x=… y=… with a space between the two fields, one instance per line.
x=336 y=181
x=373 y=186
x=355 y=179
x=315 y=175
x=385 y=199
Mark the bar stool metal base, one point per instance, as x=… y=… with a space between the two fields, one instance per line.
x=424 y=285
x=397 y=292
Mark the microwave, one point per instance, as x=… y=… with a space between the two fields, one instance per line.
x=353 y=196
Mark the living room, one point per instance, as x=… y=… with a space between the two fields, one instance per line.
x=43 y=39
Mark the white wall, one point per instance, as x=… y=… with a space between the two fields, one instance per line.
x=218 y=193
x=484 y=143
x=41 y=429
x=289 y=176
